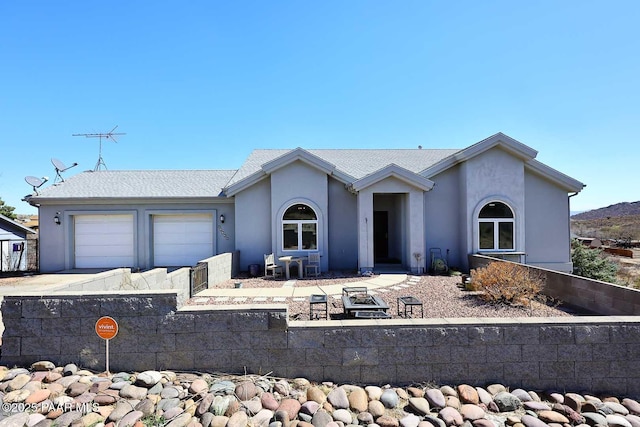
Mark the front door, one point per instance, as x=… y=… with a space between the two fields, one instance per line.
x=380 y=236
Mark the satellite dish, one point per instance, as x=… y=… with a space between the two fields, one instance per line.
x=60 y=167
x=35 y=182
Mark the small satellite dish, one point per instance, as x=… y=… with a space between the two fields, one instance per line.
x=35 y=182
x=60 y=167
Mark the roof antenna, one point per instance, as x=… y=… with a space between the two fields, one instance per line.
x=36 y=182
x=108 y=135
x=60 y=167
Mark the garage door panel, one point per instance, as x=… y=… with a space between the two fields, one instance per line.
x=104 y=241
x=180 y=240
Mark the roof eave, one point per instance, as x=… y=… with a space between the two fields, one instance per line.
x=558 y=178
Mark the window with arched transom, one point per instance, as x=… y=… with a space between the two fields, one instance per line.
x=496 y=224
x=299 y=228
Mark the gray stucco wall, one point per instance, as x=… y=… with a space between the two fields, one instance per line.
x=56 y=241
x=300 y=183
x=495 y=175
x=253 y=224
x=343 y=227
x=547 y=227
x=600 y=354
x=442 y=217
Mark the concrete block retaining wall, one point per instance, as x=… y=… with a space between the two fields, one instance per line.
x=588 y=294
x=599 y=354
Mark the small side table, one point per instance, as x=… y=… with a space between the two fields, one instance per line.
x=318 y=300
x=408 y=303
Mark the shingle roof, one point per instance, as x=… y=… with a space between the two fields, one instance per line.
x=139 y=184
x=355 y=162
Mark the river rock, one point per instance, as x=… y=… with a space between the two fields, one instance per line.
x=506 y=401
x=617 y=408
x=15 y=420
x=148 y=379
x=43 y=365
x=410 y=420
x=376 y=408
x=450 y=416
x=358 y=400
x=268 y=401
x=633 y=419
x=338 y=398
x=531 y=421
x=389 y=399
x=494 y=389
x=16 y=396
x=18 y=382
x=314 y=393
x=435 y=397
x=387 y=421
x=252 y=406
x=536 y=406
x=130 y=419
x=219 y=421
x=373 y=392
x=321 y=418
x=574 y=401
x=291 y=406
x=420 y=405
x=448 y=391
x=199 y=386
x=181 y=420
x=246 y=390
x=617 y=421
x=594 y=418
x=468 y=394
x=471 y=412
x=484 y=396
x=131 y=391
x=223 y=387
x=632 y=405
x=342 y=415
x=262 y=418
x=552 y=417
x=364 y=418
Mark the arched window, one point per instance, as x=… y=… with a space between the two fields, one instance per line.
x=496 y=227
x=299 y=228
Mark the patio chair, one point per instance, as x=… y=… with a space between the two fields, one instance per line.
x=270 y=265
x=313 y=264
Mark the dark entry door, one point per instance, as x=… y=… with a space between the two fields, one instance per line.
x=380 y=236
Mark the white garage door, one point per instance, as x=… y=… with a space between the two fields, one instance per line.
x=182 y=240
x=103 y=241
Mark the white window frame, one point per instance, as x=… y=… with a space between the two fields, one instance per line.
x=496 y=229
x=299 y=223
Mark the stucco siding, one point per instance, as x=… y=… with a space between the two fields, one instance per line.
x=495 y=175
x=56 y=242
x=442 y=217
x=253 y=224
x=294 y=183
x=547 y=227
x=343 y=227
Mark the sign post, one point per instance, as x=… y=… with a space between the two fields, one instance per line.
x=106 y=328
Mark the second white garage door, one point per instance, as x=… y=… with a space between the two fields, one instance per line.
x=182 y=240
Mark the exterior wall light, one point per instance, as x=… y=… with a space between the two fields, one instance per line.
x=56 y=219
x=221 y=219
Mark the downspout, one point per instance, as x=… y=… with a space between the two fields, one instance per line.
x=569 y=225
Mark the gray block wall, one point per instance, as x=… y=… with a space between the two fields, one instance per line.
x=590 y=295
x=596 y=353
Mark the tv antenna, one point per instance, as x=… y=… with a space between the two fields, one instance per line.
x=60 y=167
x=36 y=182
x=108 y=135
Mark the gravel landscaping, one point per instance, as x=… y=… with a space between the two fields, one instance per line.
x=442 y=296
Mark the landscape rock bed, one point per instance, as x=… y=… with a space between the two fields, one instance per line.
x=47 y=396
x=442 y=297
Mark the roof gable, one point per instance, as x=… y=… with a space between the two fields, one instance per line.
x=394 y=171
x=501 y=140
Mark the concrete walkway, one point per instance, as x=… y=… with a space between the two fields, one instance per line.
x=373 y=283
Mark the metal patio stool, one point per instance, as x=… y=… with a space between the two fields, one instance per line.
x=316 y=300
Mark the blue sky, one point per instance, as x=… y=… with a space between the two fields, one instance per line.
x=199 y=84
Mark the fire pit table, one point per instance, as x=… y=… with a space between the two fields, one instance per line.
x=363 y=303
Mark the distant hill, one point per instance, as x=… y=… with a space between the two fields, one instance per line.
x=613 y=211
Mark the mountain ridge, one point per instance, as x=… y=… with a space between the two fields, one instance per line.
x=611 y=211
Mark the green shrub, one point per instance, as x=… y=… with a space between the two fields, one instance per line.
x=507 y=283
x=590 y=263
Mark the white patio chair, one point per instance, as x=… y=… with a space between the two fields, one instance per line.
x=313 y=264
x=270 y=265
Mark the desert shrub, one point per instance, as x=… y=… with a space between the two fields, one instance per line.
x=591 y=263
x=507 y=283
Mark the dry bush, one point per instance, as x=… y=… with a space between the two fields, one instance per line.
x=507 y=283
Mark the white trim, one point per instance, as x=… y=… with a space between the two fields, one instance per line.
x=395 y=171
x=505 y=142
x=558 y=178
x=278 y=244
x=517 y=221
